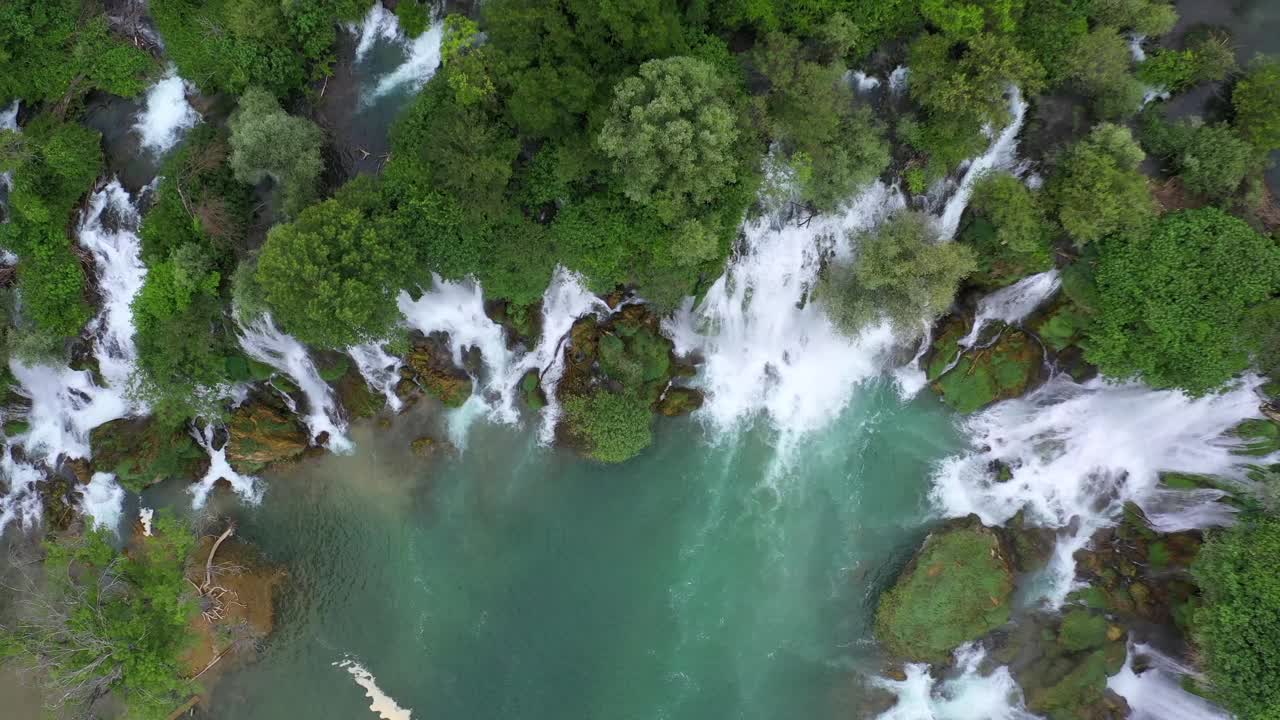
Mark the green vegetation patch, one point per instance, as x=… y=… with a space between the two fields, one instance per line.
x=611 y=427
x=999 y=372
x=144 y=451
x=956 y=589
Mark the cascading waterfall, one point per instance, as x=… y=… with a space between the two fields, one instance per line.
x=766 y=348
x=422 y=54
x=898 y=79
x=1012 y=304
x=20 y=501
x=167 y=114
x=266 y=343
x=1079 y=452
x=245 y=486
x=1156 y=693
x=457 y=308
x=969 y=695
x=103 y=501
x=66 y=403
x=379 y=369
x=1001 y=155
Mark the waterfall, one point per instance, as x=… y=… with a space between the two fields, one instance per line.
x=1135 y=47
x=117 y=252
x=264 y=342
x=898 y=79
x=421 y=54
x=969 y=695
x=767 y=348
x=1001 y=155
x=167 y=114
x=379 y=369
x=219 y=469
x=457 y=308
x=863 y=82
x=1010 y=305
x=1078 y=452
x=20 y=501
x=1156 y=693
x=103 y=501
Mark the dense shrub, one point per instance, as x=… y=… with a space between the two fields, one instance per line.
x=612 y=427
x=1008 y=230
x=1211 y=159
x=1206 y=58
x=1257 y=103
x=1172 y=299
x=900 y=274
x=1099 y=65
x=1238 y=626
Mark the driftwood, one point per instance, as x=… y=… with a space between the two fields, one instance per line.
x=216 y=595
x=186 y=706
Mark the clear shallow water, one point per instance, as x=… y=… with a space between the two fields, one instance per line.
x=514 y=581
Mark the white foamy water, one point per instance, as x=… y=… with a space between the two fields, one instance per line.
x=246 y=486
x=457 y=308
x=768 y=349
x=145 y=515
x=1135 y=47
x=863 y=82
x=1078 y=452
x=1156 y=693
x=379 y=369
x=117 y=252
x=65 y=405
x=1001 y=155
x=421 y=54
x=20 y=500
x=1012 y=304
x=266 y=343
x=167 y=114
x=969 y=695
x=381 y=703
x=898 y=79
x=103 y=501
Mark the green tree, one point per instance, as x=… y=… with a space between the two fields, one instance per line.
x=833 y=147
x=1211 y=159
x=966 y=19
x=671 y=135
x=1050 y=30
x=331 y=277
x=901 y=273
x=1097 y=188
x=970 y=78
x=268 y=142
x=1261 y=333
x=942 y=141
x=1145 y=17
x=58 y=50
x=1099 y=65
x=1256 y=99
x=1237 y=628
x=1172 y=299
x=1208 y=57
x=103 y=620
x=1008 y=229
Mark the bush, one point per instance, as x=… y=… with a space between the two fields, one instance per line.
x=1208 y=58
x=1238 y=626
x=1145 y=17
x=268 y=142
x=1097 y=188
x=1172 y=299
x=944 y=140
x=1256 y=99
x=56 y=51
x=612 y=427
x=970 y=79
x=901 y=274
x=1212 y=160
x=109 y=621
x=1008 y=230
x=1098 y=65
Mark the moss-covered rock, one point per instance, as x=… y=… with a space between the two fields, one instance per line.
x=260 y=434
x=1082 y=630
x=1074 y=686
x=142 y=451
x=956 y=589
x=531 y=389
x=1061 y=325
x=425 y=447
x=357 y=398
x=430 y=364
x=1260 y=437
x=677 y=401
x=1003 y=370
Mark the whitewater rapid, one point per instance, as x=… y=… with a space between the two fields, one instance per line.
x=421 y=54
x=166 y=114
x=1156 y=693
x=967 y=694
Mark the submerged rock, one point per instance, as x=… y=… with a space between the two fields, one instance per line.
x=956 y=589
x=260 y=434
x=142 y=451
x=425 y=447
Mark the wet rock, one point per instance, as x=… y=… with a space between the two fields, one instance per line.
x=677 y=401
x=956 y=589
x=425 y=447
x=531 y=389
x=1031 y=546
x=82 y=471
x=260 y=434
x=356 y=397
x=984 y=375
x=431 y=364
x=143 y=451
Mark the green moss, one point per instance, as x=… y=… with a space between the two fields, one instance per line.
x=1063 y=326
x=945 y=348
x=16 y=427
x=983 y=376
x=531 y=388
x=956 y=590
x=1261 y=437
x=677 y=401
x=1082 y=630
x=1158 y=555
x=142 y=452
x=333 y=371
x=610 y=427
x=1186 y=481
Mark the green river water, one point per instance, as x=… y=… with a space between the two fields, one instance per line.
x=699 y=580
